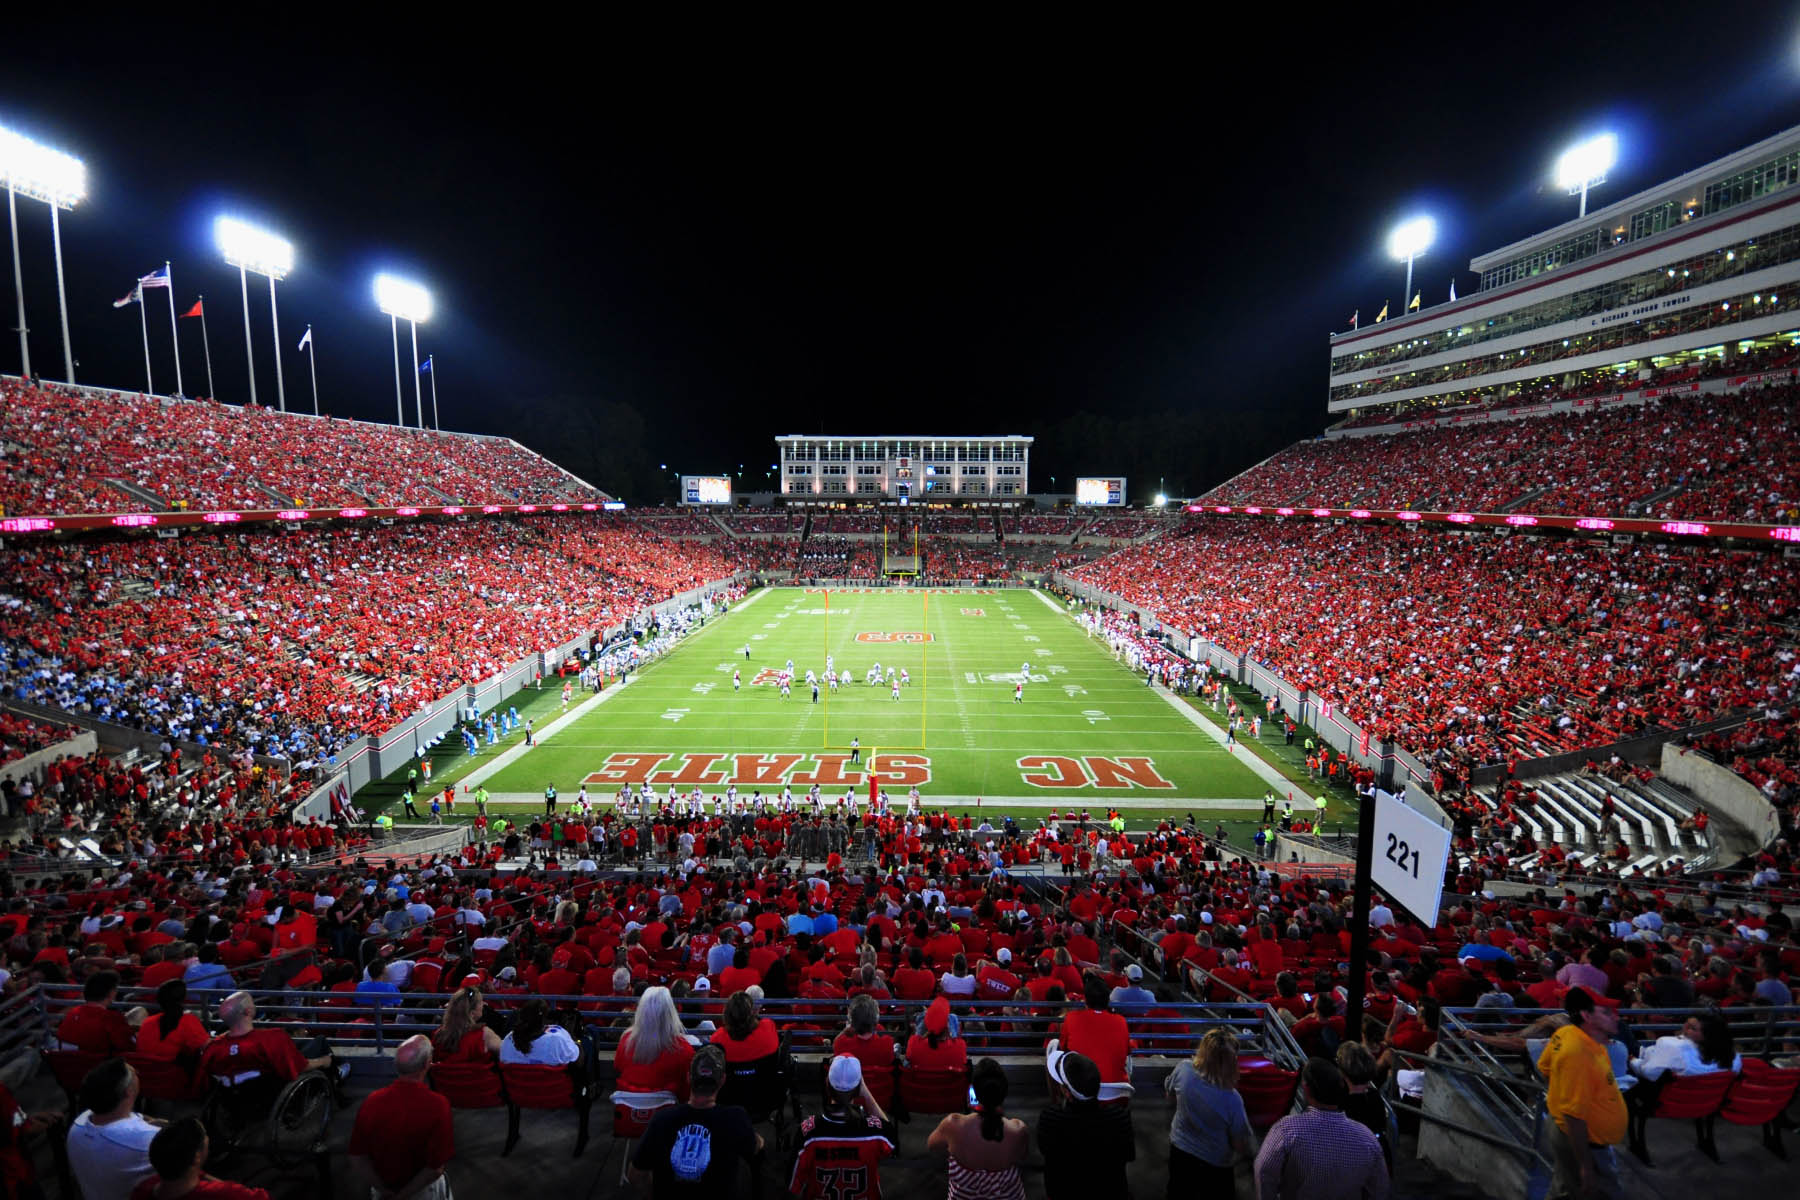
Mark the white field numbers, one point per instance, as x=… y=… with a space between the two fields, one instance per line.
x=1410 y=853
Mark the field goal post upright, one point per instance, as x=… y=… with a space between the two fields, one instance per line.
x=924 y=657
x=826 y=652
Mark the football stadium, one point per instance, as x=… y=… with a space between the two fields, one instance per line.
x=1405 y=808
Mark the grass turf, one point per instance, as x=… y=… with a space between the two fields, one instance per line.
x=1088 y=731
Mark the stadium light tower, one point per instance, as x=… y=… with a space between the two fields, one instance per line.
x=403 y=300
x=257 y=251
x=1410 y=240
x=60 y=181
x=1585 y=164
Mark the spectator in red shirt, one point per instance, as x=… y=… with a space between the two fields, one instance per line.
x=937 y=1042
x=746 y=1037
x=654 y=1054
x=1097 y=1033
x=995 y=981
x=173 y=1033
x=739 y=975
x=178 y=1154
x=462 y=1037
x=94 y=1026
x=244 y=1054
x=864 y=1040
x=1322 y=1031
x=403 y=1138
x=914 y=981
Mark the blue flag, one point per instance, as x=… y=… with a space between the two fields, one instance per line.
x=425 y=367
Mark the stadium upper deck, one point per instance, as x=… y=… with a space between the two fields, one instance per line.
x=1704 y=268
x=904 y=468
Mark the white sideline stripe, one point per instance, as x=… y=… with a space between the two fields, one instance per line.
x=602 y=801
x=1257 y=766
x=1053 y=605
x=512 y=755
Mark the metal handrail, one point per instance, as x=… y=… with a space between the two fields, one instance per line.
x=381 y=1020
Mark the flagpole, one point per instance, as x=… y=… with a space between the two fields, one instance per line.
x=312 y=363
x=399 y=405
x=169 y=284
x=418 y=399
x=12 y=208
x=149 y=383
x=62 y=298
x=206 y=344
x=275 y=326
x=431 y=361
x=249 y=354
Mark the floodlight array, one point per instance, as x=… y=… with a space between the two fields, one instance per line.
x=35 y=170
x=403 y=299
x=1586 y=163
x=1412 y=238
x=255 y=250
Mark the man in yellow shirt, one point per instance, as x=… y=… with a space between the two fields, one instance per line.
x=1587 y=1112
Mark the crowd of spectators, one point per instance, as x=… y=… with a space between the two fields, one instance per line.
x=21 y=735
x=1049 y=524
x=763 y=521
x=59 y=447
x=1711 y=457
x=295 y=643
x=1123 y=526
x=846 y=521
x=671 y=976
x=836 y=558
x=1476 y=651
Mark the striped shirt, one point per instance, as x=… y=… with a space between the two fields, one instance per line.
x=968 y=1183
x=1320 y=1154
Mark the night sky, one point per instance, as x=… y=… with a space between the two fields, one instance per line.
x=670 y=245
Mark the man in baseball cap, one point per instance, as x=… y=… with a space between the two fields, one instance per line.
x=695 y=1148
x=852 y=1132
x=1085 y=1144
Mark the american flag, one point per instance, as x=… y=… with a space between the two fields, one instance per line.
x=156 y=278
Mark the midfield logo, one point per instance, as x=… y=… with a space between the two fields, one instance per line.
x=1052 y=772
x=895 y=637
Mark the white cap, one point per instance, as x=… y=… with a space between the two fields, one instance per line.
x=1134 y=972
x=1205 y=917
x=844 y=1074
x=1003 y=954
x=702 y=984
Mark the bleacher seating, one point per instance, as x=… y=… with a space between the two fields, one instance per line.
x=1703 y=457
x=296 y=643
x=60 y=448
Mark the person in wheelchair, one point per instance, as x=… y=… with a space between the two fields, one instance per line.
x=251 y=1065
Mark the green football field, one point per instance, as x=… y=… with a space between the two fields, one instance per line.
x=1087 y=731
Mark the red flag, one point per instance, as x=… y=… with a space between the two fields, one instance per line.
x=194 y=311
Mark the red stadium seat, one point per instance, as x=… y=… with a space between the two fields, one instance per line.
x=71 y=1067
x=468 y=1085
x=1760 y=1096
x=1696 y=1098
x=632 y=1114
x=167 y=1079
x=546 y=1088
x=934 y=1089
x=1268 y=1094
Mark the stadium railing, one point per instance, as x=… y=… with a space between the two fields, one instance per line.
x=378 y=1022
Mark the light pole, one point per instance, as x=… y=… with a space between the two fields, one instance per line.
x=403 y=300
x=255 y=251
x=1410 y=240
x=59 y=180
x=1585 y=164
